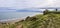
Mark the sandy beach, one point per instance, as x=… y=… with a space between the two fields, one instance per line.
x=11 y=20
x=15 y=19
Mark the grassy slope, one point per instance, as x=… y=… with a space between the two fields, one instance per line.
x=43 y=21
x=38 y=21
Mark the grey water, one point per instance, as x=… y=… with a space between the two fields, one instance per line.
x=12 y=15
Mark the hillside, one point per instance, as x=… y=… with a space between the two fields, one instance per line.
x=38 y=21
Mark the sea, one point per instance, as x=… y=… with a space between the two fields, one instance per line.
x=4 y=16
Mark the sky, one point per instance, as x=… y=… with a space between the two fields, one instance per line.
x=20 y=4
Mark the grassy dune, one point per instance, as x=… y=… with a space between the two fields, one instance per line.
x=38 y=21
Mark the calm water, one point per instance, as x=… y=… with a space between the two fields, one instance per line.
x=11 y=15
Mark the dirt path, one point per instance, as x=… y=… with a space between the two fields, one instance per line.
x=19 y=26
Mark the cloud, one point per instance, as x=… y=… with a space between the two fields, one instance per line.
x=17 y=4
x=6 y=3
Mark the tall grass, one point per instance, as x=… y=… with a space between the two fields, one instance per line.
x=39 y=21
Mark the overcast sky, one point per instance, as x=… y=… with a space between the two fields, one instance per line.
x=18 y=4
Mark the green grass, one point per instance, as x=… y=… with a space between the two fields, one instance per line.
x=38 y=21
x=44 y=21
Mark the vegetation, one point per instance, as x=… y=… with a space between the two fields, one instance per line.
x=54 y=11
x=38 y=21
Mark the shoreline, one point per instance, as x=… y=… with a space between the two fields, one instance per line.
x=16 y=19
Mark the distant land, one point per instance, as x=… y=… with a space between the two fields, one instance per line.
x=2 y=9
x=29 y=11
x=8 y=9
